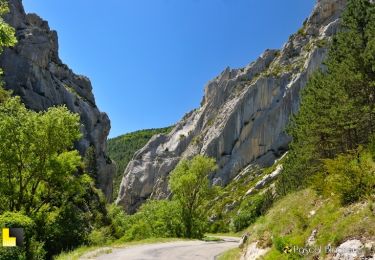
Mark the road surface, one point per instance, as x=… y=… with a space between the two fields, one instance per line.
x=179 y=250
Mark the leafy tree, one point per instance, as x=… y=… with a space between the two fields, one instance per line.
x=40 y=173
x=7 y=33
x=42 y=176
x=190 y=186
x=36 y=161
x=7 y=39
x=155 y=218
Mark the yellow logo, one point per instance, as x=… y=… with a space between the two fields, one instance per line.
x=287 y=250
x=7 y=240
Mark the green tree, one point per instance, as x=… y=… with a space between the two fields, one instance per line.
x=42 y=176
x=36 y=160
x=190 y=186
x=155 y=218
x=337 y=106
x=7 y=33
x=7 y=39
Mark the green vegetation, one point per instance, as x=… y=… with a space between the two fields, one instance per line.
x=43 y=178
x=121 y=149
x=191 y=189
x=44 y=187
x=184 y=215
x=337 y=110
x=327 y=185
x=328 y=181
x=154 y=219
x=251 y=209
x=231 y=254
x=291 y=221
x=7 y=33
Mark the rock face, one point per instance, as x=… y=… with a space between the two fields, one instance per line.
x=34 y=71
x=242 y=116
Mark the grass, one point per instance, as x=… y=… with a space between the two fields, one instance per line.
x=228 y=234
x=232 y=254
x=292 y=220
x=107 y=249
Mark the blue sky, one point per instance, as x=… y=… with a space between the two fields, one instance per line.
x=149 y=60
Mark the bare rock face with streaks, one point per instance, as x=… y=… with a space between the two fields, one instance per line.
x=242 y=116
x=34 y=71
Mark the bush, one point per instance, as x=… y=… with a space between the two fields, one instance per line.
x=154 y=219
x=32 y=249
x=118 y=220
x=251 y=209
x=351 y=177
x=100 y=236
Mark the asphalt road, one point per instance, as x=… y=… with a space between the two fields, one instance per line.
x=179 y=250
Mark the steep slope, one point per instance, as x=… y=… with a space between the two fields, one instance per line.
x=242 y=116
x=34 y=71
x=122 y=148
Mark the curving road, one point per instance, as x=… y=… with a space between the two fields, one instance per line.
x=179 y=250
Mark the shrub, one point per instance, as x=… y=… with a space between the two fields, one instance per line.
x=100 y=236
x=154 y=219
x=118 y=220
x=32 y=249
x=251 y=209
x=351 y=177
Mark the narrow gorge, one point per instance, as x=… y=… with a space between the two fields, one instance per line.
x=242 y=117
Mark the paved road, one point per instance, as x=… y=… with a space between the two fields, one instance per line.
x=179 y=250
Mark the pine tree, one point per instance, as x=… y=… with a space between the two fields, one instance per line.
x=337 y=106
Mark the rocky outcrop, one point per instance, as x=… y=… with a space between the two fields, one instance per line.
x=254 y=252
x=34 y=71
x=352 y=250
x=265 y=180
x=242 y=116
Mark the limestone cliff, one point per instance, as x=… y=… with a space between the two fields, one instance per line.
x=34 y=71
x=243 y=114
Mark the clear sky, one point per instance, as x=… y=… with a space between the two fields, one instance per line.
x=149 y=60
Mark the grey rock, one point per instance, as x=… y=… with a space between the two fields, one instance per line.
x=34 y=71
x=252 y=251
x=242 y=116
x=265 y=180
x=312 y=238
x=243 y=240
x=350 y=250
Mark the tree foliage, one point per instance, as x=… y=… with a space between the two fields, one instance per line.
x=351 y=176
x=190 y=186
x=337 y=109
x=7 y=33
x=41 y=175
